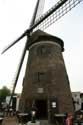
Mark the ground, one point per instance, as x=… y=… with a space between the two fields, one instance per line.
x=9 y=121
x=13 y=121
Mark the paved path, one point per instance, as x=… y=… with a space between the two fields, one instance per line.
x=13 y=121
x=9 y=121
x=45 y=122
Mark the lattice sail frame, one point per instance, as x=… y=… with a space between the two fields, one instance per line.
x=61 y=11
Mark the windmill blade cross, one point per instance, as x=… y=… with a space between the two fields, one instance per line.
x=56 y=12
x=33 y=24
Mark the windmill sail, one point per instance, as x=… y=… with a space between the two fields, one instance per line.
x=38 y=11
x=56 y=12
x=35 y=15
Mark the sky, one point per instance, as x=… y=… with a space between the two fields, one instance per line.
x=15 y=17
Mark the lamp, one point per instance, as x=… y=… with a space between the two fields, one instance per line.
x=33 y=113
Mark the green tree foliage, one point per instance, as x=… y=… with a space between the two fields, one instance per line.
x=4 y=92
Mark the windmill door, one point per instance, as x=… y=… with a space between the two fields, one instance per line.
x=41 y=106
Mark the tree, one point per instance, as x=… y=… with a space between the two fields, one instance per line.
x=4 y=92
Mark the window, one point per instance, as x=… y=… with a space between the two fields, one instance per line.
x=41 y=76
x=38 y=77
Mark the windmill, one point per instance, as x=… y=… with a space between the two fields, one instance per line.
x=56 y=12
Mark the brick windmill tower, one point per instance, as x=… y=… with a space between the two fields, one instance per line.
x=46 y=81
x=45 y=84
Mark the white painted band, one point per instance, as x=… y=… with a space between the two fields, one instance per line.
x=43 y=42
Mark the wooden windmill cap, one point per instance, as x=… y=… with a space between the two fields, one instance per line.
x=39 y=35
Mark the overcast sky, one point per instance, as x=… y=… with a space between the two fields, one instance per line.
x=15 y=17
